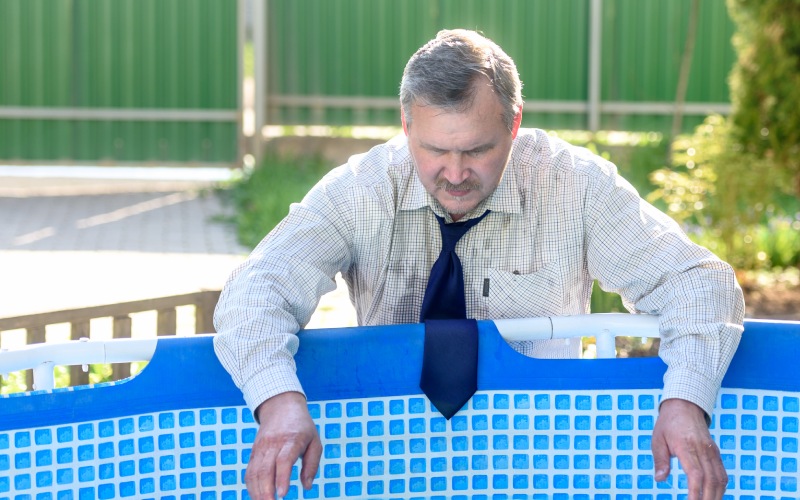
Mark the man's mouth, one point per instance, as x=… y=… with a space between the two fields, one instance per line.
x=458 y=193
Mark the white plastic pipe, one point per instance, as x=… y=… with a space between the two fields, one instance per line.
x=43 y=378
x=78 y=352
x=42 y=358
x=603 y=327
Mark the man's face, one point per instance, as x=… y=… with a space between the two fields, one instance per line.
x=460 y=157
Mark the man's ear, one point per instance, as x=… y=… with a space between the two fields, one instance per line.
x=514 y=126
x=403 y=120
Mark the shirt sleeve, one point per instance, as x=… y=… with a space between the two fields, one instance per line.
x=639 y=252
x=273 y=294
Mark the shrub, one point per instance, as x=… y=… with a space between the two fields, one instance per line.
x=727 y=199
x=765 y=85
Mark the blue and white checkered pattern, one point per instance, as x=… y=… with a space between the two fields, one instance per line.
x=504 y=444
x=163 y=455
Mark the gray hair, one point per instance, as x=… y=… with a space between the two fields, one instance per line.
x=443 y=73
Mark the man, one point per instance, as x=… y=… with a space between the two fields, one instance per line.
x=558 y=218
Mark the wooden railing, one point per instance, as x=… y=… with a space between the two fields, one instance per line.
x=80 y=320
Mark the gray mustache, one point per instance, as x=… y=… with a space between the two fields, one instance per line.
x=464 y=186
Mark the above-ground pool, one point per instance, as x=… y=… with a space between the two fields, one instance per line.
x=536 y=429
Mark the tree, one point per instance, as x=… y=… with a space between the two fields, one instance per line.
x=730 y=179
x=765 y=84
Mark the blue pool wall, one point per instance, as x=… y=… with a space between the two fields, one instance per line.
x=536 y=428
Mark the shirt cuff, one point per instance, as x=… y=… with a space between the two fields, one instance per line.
x=683 y=383
x=268 y=383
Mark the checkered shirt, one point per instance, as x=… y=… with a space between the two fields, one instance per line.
x=560 y=218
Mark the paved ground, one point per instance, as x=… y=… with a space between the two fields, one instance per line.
x=96 y=236
x=74 y=237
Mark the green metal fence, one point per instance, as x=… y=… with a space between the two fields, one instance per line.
x=118 y=81
x=159 y=81
x=339 y=62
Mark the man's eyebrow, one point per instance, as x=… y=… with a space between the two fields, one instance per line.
x=431 y=147
x=481 y=148
x=477 y=149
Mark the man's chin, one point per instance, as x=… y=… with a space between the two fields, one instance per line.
x=459 y=205
x=458 y=210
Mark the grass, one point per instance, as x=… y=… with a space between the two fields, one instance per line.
x=263 y=196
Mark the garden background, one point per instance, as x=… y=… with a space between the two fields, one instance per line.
x=731 y=180
x=694 y=101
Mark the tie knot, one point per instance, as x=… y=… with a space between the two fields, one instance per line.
x=453 y=232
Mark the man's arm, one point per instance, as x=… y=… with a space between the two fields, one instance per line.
x=637 y=251
x=640 y=253
x=265 y=302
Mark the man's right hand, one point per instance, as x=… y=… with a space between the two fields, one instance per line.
x=286 y=433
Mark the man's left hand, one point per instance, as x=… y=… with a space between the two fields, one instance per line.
x=681 y=431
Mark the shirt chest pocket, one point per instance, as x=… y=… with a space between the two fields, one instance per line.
x=513 y=295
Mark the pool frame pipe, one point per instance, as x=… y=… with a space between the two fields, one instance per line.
x=42 y=358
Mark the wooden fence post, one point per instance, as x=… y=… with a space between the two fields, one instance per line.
x=167 y=322
x=204 y=312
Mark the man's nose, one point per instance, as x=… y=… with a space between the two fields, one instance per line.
x=455 y=169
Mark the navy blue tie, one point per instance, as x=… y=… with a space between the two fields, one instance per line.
x=444 y=296
x=450 y=358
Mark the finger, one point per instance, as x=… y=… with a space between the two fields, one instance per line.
x=286 y=459
x=311 y=460
x=661 y=456
x=693 y=468
x=704 y=470
x=260 y=474
x=716 y=478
